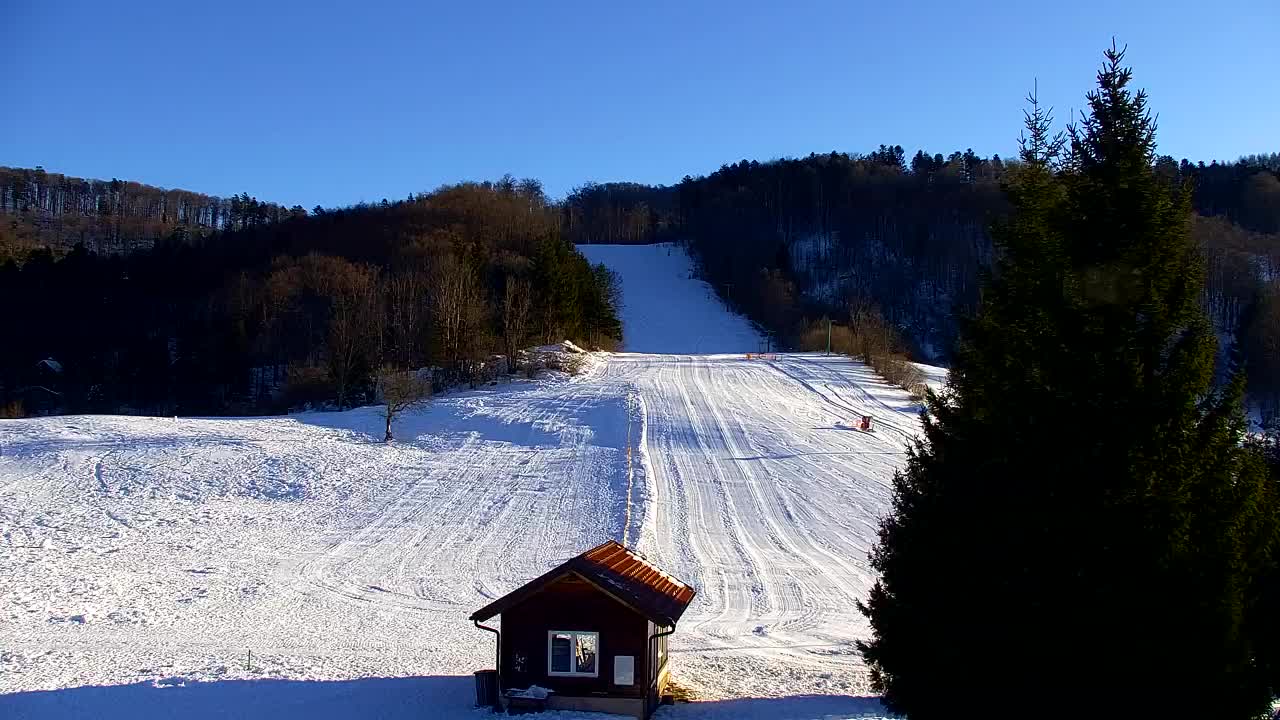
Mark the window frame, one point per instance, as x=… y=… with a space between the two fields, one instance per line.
x=573 y=656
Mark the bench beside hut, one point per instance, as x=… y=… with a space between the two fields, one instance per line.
x=593 y=630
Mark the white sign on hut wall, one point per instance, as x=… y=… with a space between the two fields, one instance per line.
x=624 y=670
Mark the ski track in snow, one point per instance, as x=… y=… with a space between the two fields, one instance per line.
x=136 y=550
x=768 y=503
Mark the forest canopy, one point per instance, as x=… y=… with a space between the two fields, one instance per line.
x=238 y=306
x=156 y=300
x=790 y=241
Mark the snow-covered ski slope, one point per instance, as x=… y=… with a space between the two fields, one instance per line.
x=148 y=556
x=666 y=310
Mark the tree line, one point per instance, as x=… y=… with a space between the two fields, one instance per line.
x=787 y=242
x=793 y=240
x=43 y=209
x=304 y=309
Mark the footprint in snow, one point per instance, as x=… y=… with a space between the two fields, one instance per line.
x=74 y=619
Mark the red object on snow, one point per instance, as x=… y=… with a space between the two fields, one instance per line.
x=866 y=423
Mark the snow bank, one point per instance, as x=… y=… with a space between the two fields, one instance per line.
x=665 y=309
x=935 y=377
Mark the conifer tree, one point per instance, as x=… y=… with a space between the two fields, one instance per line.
x=1081 y=531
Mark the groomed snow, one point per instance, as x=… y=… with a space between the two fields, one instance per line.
x=143 y=558
x=665 y=309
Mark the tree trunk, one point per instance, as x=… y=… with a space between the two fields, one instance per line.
x=388 y=438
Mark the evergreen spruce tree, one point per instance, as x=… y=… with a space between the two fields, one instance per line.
x=1081 y=532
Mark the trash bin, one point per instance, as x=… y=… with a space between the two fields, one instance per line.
x=486 y=688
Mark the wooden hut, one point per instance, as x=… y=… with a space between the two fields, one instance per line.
x=592 y=630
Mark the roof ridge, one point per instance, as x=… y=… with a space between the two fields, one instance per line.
x=642 y=585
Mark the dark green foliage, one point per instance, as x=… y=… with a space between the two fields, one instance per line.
x=1260 y=340
x=581 y=298
x=1268 y=602
x=891 y=156
x=1082 y=533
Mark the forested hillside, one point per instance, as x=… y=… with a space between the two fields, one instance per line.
x=168 y=300
x=43 y=209
x=171 y=302
x=790 y=241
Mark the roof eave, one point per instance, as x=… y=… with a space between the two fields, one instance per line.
x=521 y=593
x=574 y=566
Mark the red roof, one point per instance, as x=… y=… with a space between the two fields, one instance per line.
x=617 y=571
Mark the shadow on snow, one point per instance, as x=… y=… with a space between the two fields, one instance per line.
x=387 y=698
x=445 y=698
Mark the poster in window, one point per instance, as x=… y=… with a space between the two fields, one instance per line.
x=624 y=670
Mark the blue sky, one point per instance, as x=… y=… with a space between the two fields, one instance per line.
x=334 y=103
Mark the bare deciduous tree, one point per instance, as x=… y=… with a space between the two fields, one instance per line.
x=458 y=307
x=355 y=324
x=401 y=390
x=408 y=313
x=516 y=302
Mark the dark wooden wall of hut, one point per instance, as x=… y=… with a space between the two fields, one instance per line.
x=573 y=604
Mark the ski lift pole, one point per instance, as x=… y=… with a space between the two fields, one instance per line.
x=828 y=336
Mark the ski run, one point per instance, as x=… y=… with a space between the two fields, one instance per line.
x=142 y=560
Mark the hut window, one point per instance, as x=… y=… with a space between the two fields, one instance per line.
x=573 y=653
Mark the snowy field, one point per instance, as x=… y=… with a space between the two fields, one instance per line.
x=142 y=559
